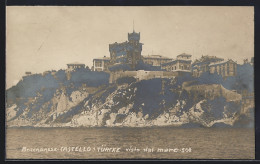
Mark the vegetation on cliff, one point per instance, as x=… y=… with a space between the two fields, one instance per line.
x=85 y=98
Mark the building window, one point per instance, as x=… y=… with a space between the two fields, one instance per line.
x=223 y=74
x=227 y=68
x=98 y=64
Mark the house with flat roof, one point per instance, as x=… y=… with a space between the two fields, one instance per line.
x=75 y=65
x=156 y=60
x=101 y=64
x=181 y=64
x=224 y=68
x=201 y=65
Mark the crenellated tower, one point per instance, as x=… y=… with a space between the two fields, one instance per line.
x=128 y=52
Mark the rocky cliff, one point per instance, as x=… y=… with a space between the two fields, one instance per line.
x=87 y=99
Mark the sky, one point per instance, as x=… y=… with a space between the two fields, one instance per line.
x=42 y=38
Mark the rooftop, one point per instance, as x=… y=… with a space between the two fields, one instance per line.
x=184 y=54
x=102 y=58
x=175 y=61
x=221 y=62
x=207 y=59
x=156 y=57
x=75 y=63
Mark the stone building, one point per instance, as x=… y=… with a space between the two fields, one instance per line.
x=252 y=60
x=101 y=64
x=201 y=65
x=248 y=101
x=224 y=68
x=181 y=64
x=246 y=61
x=128 y=52
x=76 y=65
x=156 y=60
x=28 y=73
x=184 y=56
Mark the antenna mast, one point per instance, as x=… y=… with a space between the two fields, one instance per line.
x=133 y=25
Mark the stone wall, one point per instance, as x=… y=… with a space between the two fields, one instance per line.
x=141 y=75
x=211 y=91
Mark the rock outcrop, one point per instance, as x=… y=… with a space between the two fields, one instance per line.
x=90 y=103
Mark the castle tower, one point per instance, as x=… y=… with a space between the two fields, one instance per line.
x=135 y=53
x=128 y=52
x=134 y=37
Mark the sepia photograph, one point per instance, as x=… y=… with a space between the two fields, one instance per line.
x=130 y=82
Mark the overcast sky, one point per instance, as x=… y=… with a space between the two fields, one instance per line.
x=44 y=38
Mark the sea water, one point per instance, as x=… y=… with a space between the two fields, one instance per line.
x=130 y=143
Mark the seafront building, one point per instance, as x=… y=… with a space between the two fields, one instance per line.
x=251 y=61
x=28 y=73
x=213 y=64
x=76 y=65
x=128 y=52
x=201 y=65
x=101 y=64
x=156 y=60
x=224 y=68
x=181 y=64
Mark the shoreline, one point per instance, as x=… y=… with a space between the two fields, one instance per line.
x=125 y=127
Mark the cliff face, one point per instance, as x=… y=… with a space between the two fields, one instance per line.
x=93 y=102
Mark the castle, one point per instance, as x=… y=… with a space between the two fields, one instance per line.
x=126 y=56
x=128 y=52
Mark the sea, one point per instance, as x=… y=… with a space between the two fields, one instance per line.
x=130 y=143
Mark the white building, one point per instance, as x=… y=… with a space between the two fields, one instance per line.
x=101 y=64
